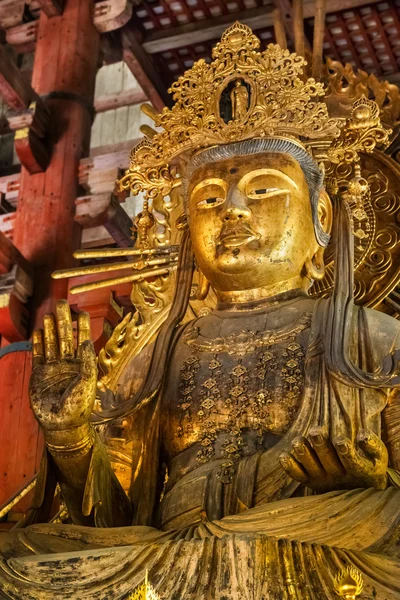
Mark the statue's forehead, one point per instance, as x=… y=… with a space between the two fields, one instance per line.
x=235 y=166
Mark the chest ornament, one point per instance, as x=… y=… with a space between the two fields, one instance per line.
x=228 y=392
x=245 y=341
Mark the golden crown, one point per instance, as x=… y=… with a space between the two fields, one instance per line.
x=244 y=94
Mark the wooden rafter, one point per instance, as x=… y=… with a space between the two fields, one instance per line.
x=143 y=69
x=211 y=29
x=14 y=90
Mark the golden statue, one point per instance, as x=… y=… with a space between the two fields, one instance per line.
x=239 y=100
x=244 y=438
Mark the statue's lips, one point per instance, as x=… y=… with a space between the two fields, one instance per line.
x=237 y=236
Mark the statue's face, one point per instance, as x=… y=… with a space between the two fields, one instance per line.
x=250 y=221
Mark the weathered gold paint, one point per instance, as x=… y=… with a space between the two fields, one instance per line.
x=273 y=475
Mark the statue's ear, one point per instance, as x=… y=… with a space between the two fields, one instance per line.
x=325 y=211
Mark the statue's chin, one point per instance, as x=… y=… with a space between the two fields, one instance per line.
x=228 y=262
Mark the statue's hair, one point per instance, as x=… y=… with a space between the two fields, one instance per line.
x=312 y=173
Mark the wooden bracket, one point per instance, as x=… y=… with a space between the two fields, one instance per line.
x=111 y=14
x=31 y=140
x=15 y=288
x=23 y=37
x=51 y=8
x=105 y=209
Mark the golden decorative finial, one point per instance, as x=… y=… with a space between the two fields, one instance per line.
x=144 y=591
x=348 y=583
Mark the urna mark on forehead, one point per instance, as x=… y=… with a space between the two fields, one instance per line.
x=289 y=149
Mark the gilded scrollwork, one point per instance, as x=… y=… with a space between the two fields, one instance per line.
x=376 y=228
x=362 y=133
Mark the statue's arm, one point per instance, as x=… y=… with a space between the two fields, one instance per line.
x=371 y=458
x=62 y=394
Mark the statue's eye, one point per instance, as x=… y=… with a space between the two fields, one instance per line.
x=262 y=192
x=210 y=202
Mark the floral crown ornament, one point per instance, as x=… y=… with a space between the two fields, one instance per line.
x=246 y=94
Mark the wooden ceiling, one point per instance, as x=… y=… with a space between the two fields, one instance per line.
x=160 y=39
x=178 y=32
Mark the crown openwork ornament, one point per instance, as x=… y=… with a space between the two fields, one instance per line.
x=244 y=94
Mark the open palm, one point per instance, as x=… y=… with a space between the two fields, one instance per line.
x=62 y=387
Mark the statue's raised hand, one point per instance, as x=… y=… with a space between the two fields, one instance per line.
x=324 y=466
x=62 y=388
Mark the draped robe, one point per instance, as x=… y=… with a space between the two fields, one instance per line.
x=285 y=548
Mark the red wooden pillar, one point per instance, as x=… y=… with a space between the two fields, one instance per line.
x=45 y=233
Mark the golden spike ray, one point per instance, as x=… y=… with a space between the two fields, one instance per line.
x=111 y=252
x=148 y=131
x=149 y=111
x=96 y=285
x=93 y=269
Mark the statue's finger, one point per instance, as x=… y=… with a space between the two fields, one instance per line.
x=87 y=355
x=372 y=445
x=326 y=453
x=83 y=328
x=305 y=455
x=64 y=328
x=37 y=348
x=293 y=468
x=350 y=458
x=50 y=337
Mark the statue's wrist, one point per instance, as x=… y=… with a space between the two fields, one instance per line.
x=70 y=443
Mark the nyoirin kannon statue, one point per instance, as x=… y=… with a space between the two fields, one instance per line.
x=246 y=433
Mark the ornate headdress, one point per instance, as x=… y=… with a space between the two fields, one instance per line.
x=246 y=94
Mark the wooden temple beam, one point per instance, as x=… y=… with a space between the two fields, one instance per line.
x=211 y=29
x=10 y=255
x=30 y=118
x=143 y=69
x=16 y=286
x=318 y=43
x=124 y=98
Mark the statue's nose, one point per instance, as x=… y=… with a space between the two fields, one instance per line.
x=235 y=206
